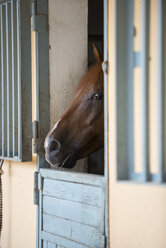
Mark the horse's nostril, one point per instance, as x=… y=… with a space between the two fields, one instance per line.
x=54 y=146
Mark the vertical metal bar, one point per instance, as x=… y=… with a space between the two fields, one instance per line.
x=42 y=88
x=106 y=154
x=42 y=80
x=38 y=210
x=8 y=78
x=3 y=78
x=130 y=88
x=105 y=94
x=14 y=78
x=144 y=89
x=122 y=93
x=39 y=158
x=24 y=80
x=19 y=79
x=160 y=78
x=164 y=91
x=34 y=7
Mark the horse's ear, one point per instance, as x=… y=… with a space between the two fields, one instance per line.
x=97 y=53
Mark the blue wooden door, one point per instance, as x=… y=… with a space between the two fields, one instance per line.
x=71 y=209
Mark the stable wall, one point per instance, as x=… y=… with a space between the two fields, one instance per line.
x=68 y=39
x=68 y=62
x=68 y=51
x=137 y=216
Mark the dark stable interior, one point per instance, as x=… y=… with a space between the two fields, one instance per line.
x=95 y=35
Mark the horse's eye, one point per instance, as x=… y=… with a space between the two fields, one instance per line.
x=97 y=96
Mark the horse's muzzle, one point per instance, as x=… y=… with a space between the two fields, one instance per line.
x=52 y=149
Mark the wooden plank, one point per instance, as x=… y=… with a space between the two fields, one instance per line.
x=51 y=245
x=64 y=242
x=75 y=211
x=45 y=244
x=84 y=234
x=82 y=178
x=75 y=192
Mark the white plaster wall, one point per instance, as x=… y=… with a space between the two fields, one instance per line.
x=19 y=213
x=68 y=51
x=68 y=21
x=137 y=216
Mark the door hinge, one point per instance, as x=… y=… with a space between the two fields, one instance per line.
x=39 y=22
x=105 y=67
x=35 y=136
x=38 y=143
x=35 y=188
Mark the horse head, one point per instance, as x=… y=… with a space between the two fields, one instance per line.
x=80 y=130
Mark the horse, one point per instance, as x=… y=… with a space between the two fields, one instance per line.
x=80 y=130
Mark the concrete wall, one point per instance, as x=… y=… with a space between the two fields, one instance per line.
x=68 y=40
x=137 y=216
x=68 y=51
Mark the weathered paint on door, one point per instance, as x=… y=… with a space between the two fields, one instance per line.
x=71 y=209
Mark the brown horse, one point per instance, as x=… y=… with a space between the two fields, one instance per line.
x=80 y=130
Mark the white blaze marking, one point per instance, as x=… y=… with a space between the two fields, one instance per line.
x=46 y=143
x=56 y=125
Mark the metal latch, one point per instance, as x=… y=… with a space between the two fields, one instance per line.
x=35 y=188
x=105 y=67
